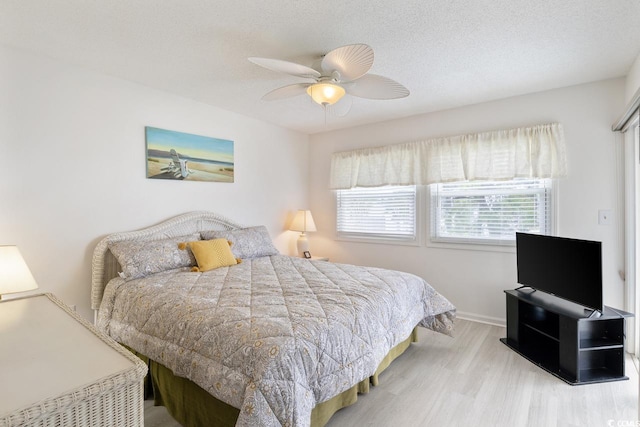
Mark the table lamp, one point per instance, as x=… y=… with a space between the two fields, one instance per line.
x=303 y=222
x=14 y=273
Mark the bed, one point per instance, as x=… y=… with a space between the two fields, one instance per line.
x=272 y=341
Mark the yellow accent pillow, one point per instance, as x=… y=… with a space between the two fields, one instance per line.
x=211 y=254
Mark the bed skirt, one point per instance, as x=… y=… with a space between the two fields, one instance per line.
x=192 y=406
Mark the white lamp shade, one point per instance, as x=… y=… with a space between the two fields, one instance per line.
x=15 y=276
x=325 y=93
x=303 y=221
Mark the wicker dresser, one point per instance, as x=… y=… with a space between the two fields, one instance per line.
x=57 y=370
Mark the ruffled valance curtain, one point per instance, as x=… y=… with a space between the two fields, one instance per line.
x=532 y=152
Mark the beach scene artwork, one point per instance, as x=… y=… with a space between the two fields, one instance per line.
x=186 y=157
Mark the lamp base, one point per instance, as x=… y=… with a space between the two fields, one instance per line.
x=303 y=245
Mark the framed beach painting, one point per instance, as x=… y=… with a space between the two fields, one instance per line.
x=187 y=157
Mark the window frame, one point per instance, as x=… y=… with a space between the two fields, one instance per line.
x=419 y=219
x=486 y=244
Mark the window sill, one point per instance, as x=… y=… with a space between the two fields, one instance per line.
x=377 y=240
x=481 y=247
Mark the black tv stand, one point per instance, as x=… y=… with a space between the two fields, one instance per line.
x=558 y=336
x=594 y=313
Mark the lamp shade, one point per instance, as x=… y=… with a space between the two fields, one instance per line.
x=303 y=221
x=15 y=276
x=325 y=93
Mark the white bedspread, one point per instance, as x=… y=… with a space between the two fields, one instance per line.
x=275 y=335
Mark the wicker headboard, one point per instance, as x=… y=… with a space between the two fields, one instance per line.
x=104 y=266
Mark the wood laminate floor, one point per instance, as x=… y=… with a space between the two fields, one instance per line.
x=475 y=380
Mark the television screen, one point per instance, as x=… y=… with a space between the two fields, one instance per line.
x=567 y=268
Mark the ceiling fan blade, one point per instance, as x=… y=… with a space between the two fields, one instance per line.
x=373 y=86
x=286 y=67
x=286 y=92
x=351 y=62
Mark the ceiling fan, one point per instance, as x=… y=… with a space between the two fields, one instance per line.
x=343 y=70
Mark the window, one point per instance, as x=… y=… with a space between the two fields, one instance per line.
x=381 y=212
x=490 y=212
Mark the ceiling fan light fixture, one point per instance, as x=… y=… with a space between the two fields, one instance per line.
x=346 y=67
x=325 y=93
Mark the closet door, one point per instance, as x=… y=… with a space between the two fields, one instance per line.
x=632 y=232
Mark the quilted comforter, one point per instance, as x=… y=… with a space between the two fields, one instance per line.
x=275 y=335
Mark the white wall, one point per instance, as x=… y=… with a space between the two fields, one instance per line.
x=72 y=148
x=474 y=280
x=633 y=80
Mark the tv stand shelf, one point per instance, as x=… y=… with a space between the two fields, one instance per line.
x=564 y=338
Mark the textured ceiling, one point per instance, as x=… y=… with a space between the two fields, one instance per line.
x=448 y=53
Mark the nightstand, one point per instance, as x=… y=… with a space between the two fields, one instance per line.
x=57 y=369
x=320 y=258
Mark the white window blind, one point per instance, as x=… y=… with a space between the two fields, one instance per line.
x=385 y=212
x=490 y=211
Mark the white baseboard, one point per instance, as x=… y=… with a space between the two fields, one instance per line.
x=495 y=321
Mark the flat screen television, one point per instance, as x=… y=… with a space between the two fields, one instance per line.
x=567 y=268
